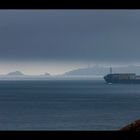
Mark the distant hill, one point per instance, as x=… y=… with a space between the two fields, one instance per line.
x=104 y=70
x=88 y=71
x=15 y=73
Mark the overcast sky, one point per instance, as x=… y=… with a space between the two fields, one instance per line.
x=55 y=41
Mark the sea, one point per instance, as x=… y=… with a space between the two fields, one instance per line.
x=86 y=104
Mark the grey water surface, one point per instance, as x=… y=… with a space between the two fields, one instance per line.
x=67 y=105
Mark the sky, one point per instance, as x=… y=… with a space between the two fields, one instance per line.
x=56 y=41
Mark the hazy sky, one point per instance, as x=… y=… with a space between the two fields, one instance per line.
x=55 y=41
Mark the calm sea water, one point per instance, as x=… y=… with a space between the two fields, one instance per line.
x=67 y=105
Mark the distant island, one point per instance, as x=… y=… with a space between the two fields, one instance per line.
x=19 y=73
x=47 y=74
x=87 y=71
x=15 y=73
x=101 y=70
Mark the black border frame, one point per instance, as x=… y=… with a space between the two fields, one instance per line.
x=69 y=4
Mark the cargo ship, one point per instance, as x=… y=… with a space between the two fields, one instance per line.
x=124 y=78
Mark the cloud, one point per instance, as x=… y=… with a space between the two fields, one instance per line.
x=70 y=35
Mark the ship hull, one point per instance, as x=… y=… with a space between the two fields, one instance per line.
x=122 y=78
x=123 y=81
